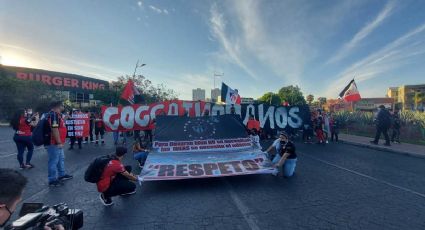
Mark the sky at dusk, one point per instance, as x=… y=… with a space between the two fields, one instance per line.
x=260 y=46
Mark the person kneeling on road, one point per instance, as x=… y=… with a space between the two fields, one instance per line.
x=116 y=179
x=286 y=160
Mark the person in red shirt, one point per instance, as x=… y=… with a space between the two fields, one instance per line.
x=22 y=122
x=99 y=128
x=56 y=162
x=116 y=178
x=253 y=124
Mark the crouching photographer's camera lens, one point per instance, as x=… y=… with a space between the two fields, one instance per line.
x=37 y=216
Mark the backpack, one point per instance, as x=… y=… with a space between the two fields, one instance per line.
x=95 y=170
x=41 y=132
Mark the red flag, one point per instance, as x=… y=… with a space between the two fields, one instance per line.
x=129 y=92
x=350 y=92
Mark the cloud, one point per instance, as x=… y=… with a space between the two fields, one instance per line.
x=218 y=28
x=363 y=33
x=394 y=55
x=61 y=64
x=158 y=10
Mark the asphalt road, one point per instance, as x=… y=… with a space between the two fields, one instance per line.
x=336 y=186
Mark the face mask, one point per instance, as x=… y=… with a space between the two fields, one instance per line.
x=7 y=220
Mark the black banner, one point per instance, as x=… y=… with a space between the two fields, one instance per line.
x=173 y=128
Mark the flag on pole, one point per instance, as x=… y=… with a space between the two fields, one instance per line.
x=350 y=92
x=129 y=92
x=229 y=95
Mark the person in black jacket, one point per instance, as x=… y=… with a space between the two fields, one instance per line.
x=383 y=123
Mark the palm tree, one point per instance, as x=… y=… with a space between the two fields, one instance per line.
x=310 y=99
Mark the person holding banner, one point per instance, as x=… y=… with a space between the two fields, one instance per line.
x=286 y=160
x=277 y=145
x=116 y=178
x=71 y=131
x=140 y=153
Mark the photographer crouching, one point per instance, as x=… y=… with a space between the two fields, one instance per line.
x=12 y=184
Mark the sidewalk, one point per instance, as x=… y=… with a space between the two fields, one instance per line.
x=403 y=148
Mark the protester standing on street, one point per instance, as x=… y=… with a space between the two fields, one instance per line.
x=91 y=127
x=22 y=122
x=334 y=125
x=383 y=123
x=73 y=138
x=396 y=124
x=99 y=129
x=318 y=122
x=116 y=179
x=56 y=162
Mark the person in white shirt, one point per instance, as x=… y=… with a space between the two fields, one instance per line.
x=255 y=139
x=276 y=146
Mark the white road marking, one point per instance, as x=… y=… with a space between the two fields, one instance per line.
x=250 y=220
x=367 y=176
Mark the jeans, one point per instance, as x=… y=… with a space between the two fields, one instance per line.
x=141 y=156
x=56 y=163
x=23 y=142
x=120 y=185
x=116 y=136
x=288 y=167
x=396 y=135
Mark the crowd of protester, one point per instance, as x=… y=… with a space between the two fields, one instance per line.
x=117 y=179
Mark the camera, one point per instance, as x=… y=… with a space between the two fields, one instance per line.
x=36 y=216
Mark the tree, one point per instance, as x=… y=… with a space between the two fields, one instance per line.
x=19 y=94
x=322 y=100
x=270 y=98
x=149 y=92
x=310 y=99
x=292 y=95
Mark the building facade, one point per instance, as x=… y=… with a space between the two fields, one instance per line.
x=405 y=95
x=75 y=88
x=247 y=100
x=198 y=94
x=215 y=93
x=371 y=104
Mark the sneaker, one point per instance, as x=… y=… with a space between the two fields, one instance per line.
x=55 y=183
x=23 y=166
x=29 y=165
x=129 y=193
x=85 y=142
x=106 y=202
x=65 y=177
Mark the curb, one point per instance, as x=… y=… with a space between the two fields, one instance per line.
x=383 y=149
